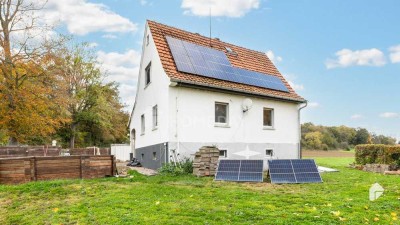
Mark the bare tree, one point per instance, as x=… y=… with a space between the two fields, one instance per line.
x=24 y=52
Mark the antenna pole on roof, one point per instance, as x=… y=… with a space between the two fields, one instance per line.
x=210 y=26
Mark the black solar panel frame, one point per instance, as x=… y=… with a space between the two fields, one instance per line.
x=302 y=170
x=240 y=170
x=213 y=63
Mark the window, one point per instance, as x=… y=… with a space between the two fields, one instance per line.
x=155 y=117
x=223 y=153
x=142 y=158
x=154 y=155
x=142 y=120
x=269 y=152
x=268 y=118
x=147 y=74
x=147 y=40
x=221 y=113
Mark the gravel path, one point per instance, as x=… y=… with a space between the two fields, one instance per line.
x=123 y=169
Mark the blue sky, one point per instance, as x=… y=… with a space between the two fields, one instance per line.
x=342 y=56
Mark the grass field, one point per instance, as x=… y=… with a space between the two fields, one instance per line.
x=342 y=198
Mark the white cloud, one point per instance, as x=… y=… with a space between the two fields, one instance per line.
x=313 y=104
x=124 y=69
x=296 y=87
x=395 y=54
x=366 y=57
x=228 y=8
x=143 y=2
x=389 y=115
x=272 y=57
x=82 y=17
x=356 y=116
x=109 y=36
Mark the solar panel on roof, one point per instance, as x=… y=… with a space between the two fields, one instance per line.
x=240 y=170
x=293 y=171
x=209 y=62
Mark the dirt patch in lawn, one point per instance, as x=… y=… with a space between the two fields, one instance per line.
x=327 y=154
x=123 y=169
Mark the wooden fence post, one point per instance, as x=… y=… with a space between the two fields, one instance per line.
x=81 y=167
x=113 y=166
x=34 y=172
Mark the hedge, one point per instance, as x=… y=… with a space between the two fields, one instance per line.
x=380 y=154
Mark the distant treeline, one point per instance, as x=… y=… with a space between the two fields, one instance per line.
x=317 y=137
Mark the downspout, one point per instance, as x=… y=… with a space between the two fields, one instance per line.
x=298 y=114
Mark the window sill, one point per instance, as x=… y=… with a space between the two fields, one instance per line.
x=142 y=134
x=155 y=128
x=222 y=125
x=268 y=128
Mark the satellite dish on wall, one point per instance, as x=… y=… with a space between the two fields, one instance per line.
x=247 y=104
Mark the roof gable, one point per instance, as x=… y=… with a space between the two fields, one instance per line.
x=244 y=58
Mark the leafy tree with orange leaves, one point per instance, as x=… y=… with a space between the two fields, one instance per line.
x=29 y=104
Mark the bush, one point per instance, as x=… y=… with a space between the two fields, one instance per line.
x=381 y=154
x=184 y=167
x=344 y=146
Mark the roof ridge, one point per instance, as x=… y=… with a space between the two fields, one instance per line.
x=213 y=39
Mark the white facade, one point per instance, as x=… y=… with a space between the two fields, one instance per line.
x=186 y=119
x=147 y=96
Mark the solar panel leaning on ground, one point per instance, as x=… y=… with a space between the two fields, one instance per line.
x=240 y=170
x=283 y=171
x=208 y=62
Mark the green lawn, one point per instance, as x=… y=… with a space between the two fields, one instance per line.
x=342 y=198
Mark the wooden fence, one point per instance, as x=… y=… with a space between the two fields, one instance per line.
x=90 y=151
x=18 y=151
x=21 y=170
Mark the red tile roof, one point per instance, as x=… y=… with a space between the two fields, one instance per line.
x=245 y=58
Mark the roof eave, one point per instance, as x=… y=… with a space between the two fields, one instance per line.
x=236 y=90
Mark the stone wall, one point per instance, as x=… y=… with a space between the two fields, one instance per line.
x=378 y=168
x=206 y=161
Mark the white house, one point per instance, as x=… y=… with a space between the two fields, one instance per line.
x=176 y=112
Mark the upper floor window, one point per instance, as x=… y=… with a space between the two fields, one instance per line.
x=268 y=118
x=221 y=113
x=143 y=127
x=155 y=117
x=147 y=40
x=148 y=74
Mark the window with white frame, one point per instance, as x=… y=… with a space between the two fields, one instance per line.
x=143 y=126
x=155 y=117
x=221 y=113
x=148 y=74
x=223 y=153
x=268 y=118
x=147 y=40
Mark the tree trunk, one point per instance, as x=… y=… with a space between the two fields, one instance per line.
x=73 y=133
x=12 y=141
